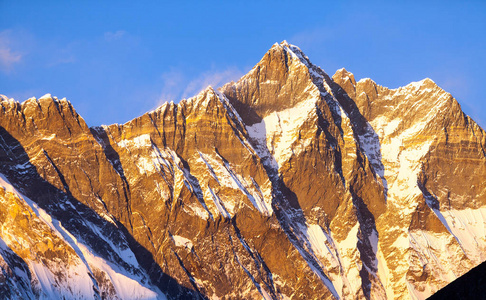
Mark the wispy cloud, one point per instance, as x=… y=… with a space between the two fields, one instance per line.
x=64 y=54
x=112 y=36
x=211 y=78
x=176 y=85
x=172 y=86
x=8 y=56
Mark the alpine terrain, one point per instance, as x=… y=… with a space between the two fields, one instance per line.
x=288 y=184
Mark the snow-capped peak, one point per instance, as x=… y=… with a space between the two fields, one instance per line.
x=46 y=96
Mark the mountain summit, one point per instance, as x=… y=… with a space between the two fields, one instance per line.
x=288 y=184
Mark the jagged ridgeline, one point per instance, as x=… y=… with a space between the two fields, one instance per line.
x=288 y=184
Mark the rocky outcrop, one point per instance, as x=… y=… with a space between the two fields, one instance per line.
x=286 y=184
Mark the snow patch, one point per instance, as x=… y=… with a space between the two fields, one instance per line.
x=46 y=96
x=219 y=204
x=277 y=132
x=181 y=241
x=468 y=226
x=140 y=141
x=317 y=239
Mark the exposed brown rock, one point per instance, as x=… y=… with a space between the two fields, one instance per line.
x=285 y=184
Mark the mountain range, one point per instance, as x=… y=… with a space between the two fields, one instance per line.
x=287 y=184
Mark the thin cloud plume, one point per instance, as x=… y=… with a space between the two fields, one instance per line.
x=172 y=84
x=8 y=56
x=177 y=86
x=112 y=36
x=211 y=78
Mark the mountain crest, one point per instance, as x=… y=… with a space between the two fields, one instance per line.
x=283 y=78
x=285 y=184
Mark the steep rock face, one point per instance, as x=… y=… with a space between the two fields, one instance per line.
x=431 y=154
x=285 y=184
x=217 y=209
x=64 y=247
x=325 y=175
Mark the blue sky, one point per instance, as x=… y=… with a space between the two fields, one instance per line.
x=116 y=60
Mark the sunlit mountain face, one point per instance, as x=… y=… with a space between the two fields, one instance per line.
x=288 y=184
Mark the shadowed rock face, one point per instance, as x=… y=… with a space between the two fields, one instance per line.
x=286 y=184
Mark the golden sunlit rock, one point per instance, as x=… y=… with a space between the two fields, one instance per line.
x=288 y=184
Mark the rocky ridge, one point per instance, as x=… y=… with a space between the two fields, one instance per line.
x=286 y=184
